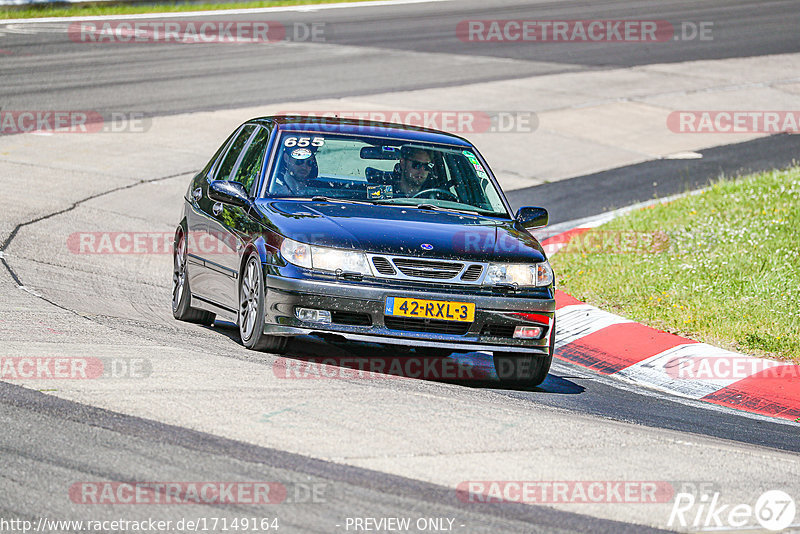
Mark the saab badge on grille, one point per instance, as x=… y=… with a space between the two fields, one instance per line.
x=426 y=246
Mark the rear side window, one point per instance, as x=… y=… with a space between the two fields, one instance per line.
x=230 y=159
x=252 y=160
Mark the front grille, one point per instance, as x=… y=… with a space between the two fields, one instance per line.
x=435 y=270
x=498 y=330
x=472 y=273
x=351 y=318
x=383 y=266
x=427 y=270
x=431 y=326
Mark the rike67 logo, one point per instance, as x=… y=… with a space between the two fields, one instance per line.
x=774 y=510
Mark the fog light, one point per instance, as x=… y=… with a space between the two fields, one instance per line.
x=313 y=316
x=528 y=332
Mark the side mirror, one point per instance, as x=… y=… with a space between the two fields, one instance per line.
x=232 y=193
x=530 y=217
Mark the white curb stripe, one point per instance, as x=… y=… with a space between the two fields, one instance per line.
x=654 y=372
x=577 y=321
x=696 y=361
x=552 y=248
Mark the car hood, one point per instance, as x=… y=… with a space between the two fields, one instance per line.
x=402 y=231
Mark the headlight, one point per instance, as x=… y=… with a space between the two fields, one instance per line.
x=324 y=258
x=520 y=274
x=297 y=253
x=332 y=259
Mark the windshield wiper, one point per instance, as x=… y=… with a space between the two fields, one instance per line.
x=442 y=208
x=320 y=198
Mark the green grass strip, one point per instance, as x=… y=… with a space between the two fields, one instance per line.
x=721 y=266
x=85 y=10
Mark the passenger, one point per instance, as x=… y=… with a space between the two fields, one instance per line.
x=298 y=167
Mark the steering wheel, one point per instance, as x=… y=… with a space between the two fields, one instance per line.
x=437 y=191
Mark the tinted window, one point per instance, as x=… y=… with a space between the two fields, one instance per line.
x=253 y=160
x=228 y=163
x=207 y=170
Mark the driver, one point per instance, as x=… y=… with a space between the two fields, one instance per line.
x=412 y=171
x=299 y=166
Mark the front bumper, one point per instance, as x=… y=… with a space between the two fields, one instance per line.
x=284 y=295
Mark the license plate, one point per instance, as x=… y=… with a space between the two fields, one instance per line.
x=430 y=309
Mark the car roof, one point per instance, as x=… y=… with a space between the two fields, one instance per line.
x=362 y=127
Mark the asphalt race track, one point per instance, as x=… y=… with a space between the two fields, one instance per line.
x=387 y=49
x=205 y=409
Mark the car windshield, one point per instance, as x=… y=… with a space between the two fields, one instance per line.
x=382 y=171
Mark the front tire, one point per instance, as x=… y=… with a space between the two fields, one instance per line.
x=251 y=310
x=181 y=294
x=524 y=370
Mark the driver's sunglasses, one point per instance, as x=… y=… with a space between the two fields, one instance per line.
x=300 y=162
x=416 y=164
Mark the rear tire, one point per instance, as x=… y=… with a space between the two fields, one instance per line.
x=251 y=310
x=524 y=370
x=181 y=294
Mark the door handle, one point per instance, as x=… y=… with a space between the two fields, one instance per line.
x=217 y=209
x=197 y=194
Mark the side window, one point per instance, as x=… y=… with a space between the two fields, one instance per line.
x=230 y=159
x=212 y=163
x=253 y=160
